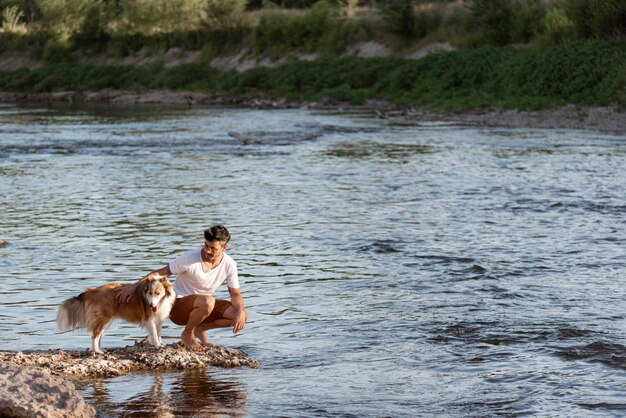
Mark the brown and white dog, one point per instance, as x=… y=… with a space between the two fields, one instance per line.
x=95 y=308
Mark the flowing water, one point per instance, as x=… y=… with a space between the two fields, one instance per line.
x=389 y=270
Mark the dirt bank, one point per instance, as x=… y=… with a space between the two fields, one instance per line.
x=600 y=119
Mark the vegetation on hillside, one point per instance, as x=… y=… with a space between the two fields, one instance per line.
x=587 y=73
x=53 y=29
x=565 y=51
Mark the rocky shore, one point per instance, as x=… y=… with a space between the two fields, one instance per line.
x=118 y=361
x=40 y=383
x=600 y=119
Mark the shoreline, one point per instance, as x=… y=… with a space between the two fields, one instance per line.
x=117 y=361
x=594 y=118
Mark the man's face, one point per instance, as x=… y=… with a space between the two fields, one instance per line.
x=213 y=249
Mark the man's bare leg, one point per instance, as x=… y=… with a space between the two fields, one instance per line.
x=202 y=307
x=218 y=323
x=227 y=321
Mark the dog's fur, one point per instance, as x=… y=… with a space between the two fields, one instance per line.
x=95 y=308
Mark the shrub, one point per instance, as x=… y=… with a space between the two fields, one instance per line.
x=428 y=19
x=399 y=17
x=494 y=20
x=349 y=7
x=150 y=17
x=64 y=16
x=598 y=18
x=527 y=21
x=557 y=27
x=296 y=4
x=58 y=49
x=94 y=25
x=12 y=18
x=319 y=29
x=225 y=14
x=456 y=25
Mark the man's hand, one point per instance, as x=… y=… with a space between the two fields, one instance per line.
x=125 y=293
x=240 y=320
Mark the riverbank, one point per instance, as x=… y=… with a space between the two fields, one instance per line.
x=578 y=85
x=595 y=118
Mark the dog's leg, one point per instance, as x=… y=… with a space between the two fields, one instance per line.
x=153 y=335
x=95 y=342
x=96 y=334
x=159 y=326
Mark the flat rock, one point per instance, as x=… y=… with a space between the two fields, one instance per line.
x=118 y=361
x=26 y=392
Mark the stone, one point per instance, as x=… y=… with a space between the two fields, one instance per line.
x=26 y=392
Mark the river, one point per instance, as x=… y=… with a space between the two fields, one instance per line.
x=389 y=269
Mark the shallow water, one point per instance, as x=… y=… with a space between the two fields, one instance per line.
x=427 y=270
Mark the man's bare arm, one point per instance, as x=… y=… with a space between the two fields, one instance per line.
x=241 y=315
x=125 y=293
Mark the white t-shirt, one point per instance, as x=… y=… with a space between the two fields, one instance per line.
x=193 y=278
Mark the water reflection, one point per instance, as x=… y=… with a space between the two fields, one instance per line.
x=186 y=393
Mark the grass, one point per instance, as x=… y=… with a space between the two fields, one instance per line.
x=583 y=73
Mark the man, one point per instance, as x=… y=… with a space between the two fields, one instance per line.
x=199 y=273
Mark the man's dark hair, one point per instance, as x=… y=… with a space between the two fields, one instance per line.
x=217 y=232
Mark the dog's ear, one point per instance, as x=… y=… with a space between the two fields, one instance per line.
x=169 y=289
x=143 y=285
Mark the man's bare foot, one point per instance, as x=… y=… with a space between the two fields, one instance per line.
x=204 y=341
x=190 y=342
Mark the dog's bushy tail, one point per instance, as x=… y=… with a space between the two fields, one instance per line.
x=72 y=314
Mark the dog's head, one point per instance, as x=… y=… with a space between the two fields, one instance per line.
x=156 y=289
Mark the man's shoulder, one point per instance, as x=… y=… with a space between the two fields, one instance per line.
x=229 y=261
x=189 y=256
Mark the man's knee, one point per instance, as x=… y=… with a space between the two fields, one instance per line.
x=204 y=304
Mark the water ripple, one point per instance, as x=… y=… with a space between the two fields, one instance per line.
x=428 y=270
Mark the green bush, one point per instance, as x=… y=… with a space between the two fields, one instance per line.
x=225 y=14
x=94 y=26
x=428 y=20
x=399 y=17
x=12 y=20
x=149 y=17
x=557 y=27
x=598 y=18
x=58 y=49
x=494 y=19
x=527 y=21
x=456 y=25
x=64 y=16
x=319 y=29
